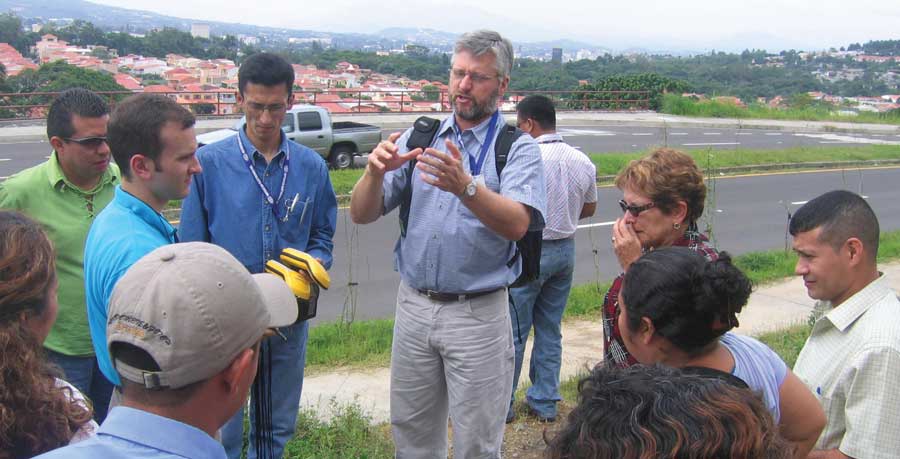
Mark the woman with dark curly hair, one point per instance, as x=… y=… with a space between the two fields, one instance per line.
x=38 y=411
x=663 y=195
x=676 y=308
x=655 y=412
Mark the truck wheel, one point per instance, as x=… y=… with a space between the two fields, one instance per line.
x=341 y=157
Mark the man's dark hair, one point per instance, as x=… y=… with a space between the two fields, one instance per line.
x=140 y=359
x=266 y=69
x=841 y=214
x=656 y=411
x=136 y=124
x=76 y=101
x=540 y=109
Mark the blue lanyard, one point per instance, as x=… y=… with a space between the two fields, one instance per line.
x=488 y=140
x=285 y=165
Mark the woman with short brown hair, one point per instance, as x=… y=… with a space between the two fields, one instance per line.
x=663 y=197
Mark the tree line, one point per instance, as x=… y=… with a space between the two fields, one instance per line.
x=748 y=75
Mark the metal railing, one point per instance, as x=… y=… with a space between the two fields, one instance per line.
x=33 y=105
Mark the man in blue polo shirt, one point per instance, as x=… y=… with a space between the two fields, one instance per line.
x=153 y=142
x=185 y=325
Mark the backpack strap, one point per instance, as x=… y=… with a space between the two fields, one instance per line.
x=507 y=136
x=424 y=130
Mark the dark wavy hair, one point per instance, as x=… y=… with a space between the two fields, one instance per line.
x=35 y=415
x=691 y=301
x=650 y=412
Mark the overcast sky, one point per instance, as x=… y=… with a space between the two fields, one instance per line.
x=670 y=24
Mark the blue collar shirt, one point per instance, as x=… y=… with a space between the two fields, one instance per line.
x=129 y=433
x=446 y=247
x=126 y=230
x=226 y=206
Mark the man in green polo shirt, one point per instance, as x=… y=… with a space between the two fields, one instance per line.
x=64 y=194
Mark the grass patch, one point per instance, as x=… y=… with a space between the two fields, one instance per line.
x=762 y=267
x=788 y=342
x=343 y=180
x=348 y=433
x=368 y=343
x=361 y=343
x=674 y=104
x=711 y=159
x=584 y=299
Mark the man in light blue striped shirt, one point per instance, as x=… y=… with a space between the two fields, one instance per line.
x=452 y=350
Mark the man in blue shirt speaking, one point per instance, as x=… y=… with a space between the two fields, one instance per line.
x=153 y=142
x=186 y=322
x=453 y=347
x=259 y=194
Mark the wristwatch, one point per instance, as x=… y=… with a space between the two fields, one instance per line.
x=469 y=190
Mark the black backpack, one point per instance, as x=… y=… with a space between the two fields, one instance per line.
x=529 y=247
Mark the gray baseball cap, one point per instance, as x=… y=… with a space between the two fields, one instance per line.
x=193 y=307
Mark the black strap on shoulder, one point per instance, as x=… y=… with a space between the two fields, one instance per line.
x=424 y=130
x=505 y=138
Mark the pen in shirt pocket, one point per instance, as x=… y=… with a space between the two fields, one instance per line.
x=292 y=204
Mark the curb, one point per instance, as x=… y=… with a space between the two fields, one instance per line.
x=175 y=214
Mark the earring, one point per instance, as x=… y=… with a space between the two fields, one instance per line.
x=676 y=225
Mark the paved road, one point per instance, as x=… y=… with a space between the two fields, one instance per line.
x=589 y=138
x=749 y=214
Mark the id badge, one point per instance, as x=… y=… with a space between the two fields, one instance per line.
x=479 y=180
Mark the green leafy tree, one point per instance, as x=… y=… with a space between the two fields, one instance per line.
x=56 y=77
x=431 y=92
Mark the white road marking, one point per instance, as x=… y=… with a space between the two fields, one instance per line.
x=594 y=225
x=641 y=133
x=678 y=133
x=838 y=138
x=712 y=133
x=773 y=133
x=5 y=159
x=800 y=203
x=706 y=144
x=744 y=133
x=591 y=132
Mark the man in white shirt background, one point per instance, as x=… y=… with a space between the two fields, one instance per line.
x=571 y=195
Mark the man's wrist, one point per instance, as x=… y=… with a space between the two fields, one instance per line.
x=468 y=189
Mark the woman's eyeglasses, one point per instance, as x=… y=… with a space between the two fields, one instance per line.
x=89 y=142
x=635 y=210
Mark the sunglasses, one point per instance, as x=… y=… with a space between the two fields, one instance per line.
x=635 y=210
x=90 y=142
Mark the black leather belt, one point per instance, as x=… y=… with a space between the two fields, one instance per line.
x=442 y=297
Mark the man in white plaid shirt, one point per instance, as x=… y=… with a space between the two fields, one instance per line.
x=851 y=361
x=571 y=195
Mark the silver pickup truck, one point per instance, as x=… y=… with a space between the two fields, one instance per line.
x=311 y=126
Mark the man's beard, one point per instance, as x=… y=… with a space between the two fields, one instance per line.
x=477 y=111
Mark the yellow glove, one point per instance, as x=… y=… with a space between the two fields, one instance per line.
x=302 y=261
x=298 y=284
